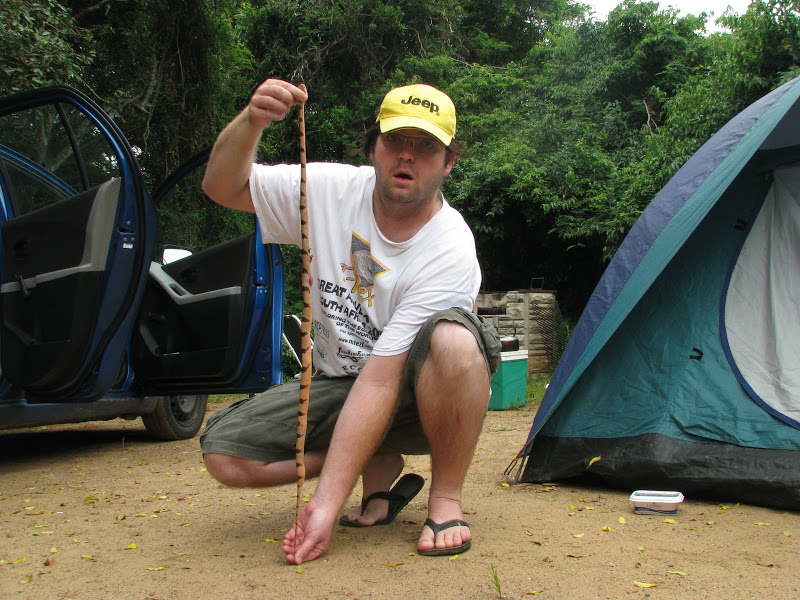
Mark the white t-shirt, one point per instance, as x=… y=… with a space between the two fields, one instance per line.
x=369 y=295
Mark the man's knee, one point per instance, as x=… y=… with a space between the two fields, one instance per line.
x=454 y=347
x=228 y=470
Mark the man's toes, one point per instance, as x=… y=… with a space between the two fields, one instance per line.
x=426 y=539
x=377 y=510
x=449 y=538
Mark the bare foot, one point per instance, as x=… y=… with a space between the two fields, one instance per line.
x=378 y=476
x=441 y=510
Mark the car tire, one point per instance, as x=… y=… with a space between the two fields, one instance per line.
x=176 y=417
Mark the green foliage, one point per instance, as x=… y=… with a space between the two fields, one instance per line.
x=571 y=125
x=496 y=580
x=537 y=386
x=41 y=44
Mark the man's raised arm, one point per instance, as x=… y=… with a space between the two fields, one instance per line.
x=227 y=176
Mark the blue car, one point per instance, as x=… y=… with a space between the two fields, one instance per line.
x=100 y=319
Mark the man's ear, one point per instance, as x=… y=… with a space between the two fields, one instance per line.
x=450 y=162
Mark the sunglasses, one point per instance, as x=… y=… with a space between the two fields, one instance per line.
x=421 y=145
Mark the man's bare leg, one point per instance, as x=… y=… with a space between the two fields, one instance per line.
x=452 y=398
x=378 y=476
x=234 y=471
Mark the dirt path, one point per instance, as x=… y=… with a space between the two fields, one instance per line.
x=99 y=511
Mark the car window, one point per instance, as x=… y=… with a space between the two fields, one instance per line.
x=98 y=161
x=182 y=220
x=31 y=189
x=51 y=152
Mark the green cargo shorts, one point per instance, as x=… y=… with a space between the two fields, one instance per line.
x=264 y=427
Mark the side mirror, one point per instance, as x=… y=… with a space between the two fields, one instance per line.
x=168 y=254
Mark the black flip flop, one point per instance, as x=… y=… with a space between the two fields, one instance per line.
x=399 y=496
x=436 y=528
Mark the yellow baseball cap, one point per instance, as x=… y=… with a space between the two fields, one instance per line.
x=421 y=107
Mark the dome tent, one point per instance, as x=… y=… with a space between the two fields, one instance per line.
x=681 y=373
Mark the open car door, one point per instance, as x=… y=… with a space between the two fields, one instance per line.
x=77 y=235
x=210 y=321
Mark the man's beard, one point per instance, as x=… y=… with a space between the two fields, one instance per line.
x=419 y=197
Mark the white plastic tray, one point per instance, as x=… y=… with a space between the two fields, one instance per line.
x=652 y=502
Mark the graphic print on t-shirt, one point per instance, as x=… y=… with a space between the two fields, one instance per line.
x=365 y=268
x=348 y=331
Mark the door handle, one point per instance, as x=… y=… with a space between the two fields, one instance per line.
x=26 y=293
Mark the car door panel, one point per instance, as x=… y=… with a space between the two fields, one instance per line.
x=55 y=261
x=193 y=314
x=202 y=321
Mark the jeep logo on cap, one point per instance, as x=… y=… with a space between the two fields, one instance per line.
x=420 y=102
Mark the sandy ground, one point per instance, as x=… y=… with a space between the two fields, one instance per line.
x=99 y=511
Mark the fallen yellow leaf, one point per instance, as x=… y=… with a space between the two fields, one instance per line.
x=271 y=540
x=670 y=521
x=155 y=568
x=130 y=547
x=578 y=535
x=53 y=550
x=536 y=593
x=594 y=460
x=681 y=573
x=786 y=533
x=390 y=565
x=299 y=570
x=19 y=560
x=454 y=557
x=621 y=520
x=640 y=548
x=642 y=584
x=606 y=528
x=88 y=557
x=28 y=580
x=762 y=524
x=505 y=484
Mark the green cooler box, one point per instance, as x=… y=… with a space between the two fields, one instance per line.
x=510 y=383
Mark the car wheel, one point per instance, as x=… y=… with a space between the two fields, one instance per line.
x=176 y=417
